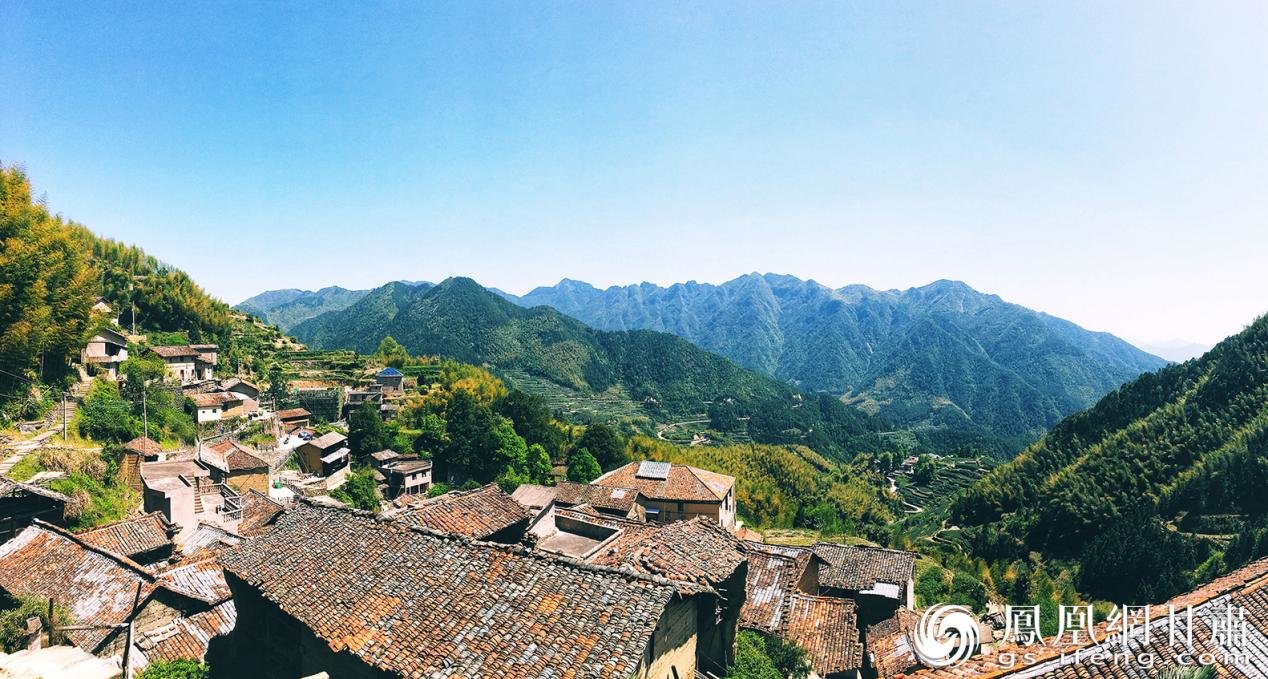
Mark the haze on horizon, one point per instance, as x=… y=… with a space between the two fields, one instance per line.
x=1104 y=164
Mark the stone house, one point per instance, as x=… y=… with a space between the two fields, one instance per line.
x=399 y=600
x=676 y=492
x=135 y=452
x=879 y=580
x=187 y=494
x=237 y=465
x=107 y=350
x=181 y=362
x=327 y=455
x=391 y=380
x=293 y=418
x=216 y=405
x=401 y=474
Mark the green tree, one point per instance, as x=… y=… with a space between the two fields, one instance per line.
x=604 y=444
x=13 y=619
x=537 y=464
x=278 y=386
x=105 y=415
x=582 y=467
x=367 y=433
x=532 y=419
x=360 y=490
x=175 y=669
x=392 y=352
x=432 y=437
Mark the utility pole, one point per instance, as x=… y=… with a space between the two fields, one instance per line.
x=145 y=413
x=64 y=416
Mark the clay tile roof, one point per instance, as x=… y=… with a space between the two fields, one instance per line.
x=697 y=551
x=258 y=513
x=385 y=455
x=680 y=483
x=857 y=567
x=187 y=638
x=478 y=513
x=613 y=498
x=208 y=538
x=773 y=574
x=235 y=456
x=291 y=413
x=328 y=440
x=175 y=352
x=828 y=629
x=413 y=602
x=96 y=586
x=889 y=644
x=144 y=446
x=132 y=537
x=11 y=488
x=532 y=496
x=236 y=381
x=214 y=398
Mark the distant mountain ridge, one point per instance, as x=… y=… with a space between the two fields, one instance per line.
x=290 y=307
x=941 y=355
x=668 y=375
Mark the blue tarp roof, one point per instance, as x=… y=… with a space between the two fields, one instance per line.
x=390 y=372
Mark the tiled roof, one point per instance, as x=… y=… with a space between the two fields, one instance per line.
x=200 y=578
x=478 y=513
x=532 y=496
x=828 y=629
x=132 y=537
x=417 y=603
x=233 y=456
x=290 y=413
x=258 y=513
x=207 y=537
x=889 y=644
x=697 y=551
x=328 y=440
x=175 y=352
x=384 y=455
x=1246 y=587
x=187 y=638
x=96 y=587
x=237 y=381
x=612 y=498
x=11 y=488
x=214 y=398
x=682 y=483
x=772 y=577
x=857 y=567
x=143 y=446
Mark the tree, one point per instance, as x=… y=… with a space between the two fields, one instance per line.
x=13 y=618
x=175 y=669
x=359 y=491
x=604 y=444
x=537 y=464
x=1136 y=559
x=392 y=352
x=532 y=419
x=431 y=437
x=367 y=432
x=582 y=467
x=278 y=386
x=105 y=415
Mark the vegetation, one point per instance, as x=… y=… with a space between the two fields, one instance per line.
x=175 y=669
x=974 y=373
x=668 y=376
x=14 y=613
x=582 y=467
x=359 y=490
x=286 y=308
x=1157 y=456
x=759 y=656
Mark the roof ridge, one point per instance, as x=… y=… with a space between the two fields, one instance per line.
x=517 y=549
x=124 y=561
x=147 y=515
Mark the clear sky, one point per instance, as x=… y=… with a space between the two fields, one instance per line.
x=1104 y=162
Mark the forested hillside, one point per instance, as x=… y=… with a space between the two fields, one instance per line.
x=51 y=272
x=1174 y=462
x=667 y=375
x=942 y=355
x=288 y=308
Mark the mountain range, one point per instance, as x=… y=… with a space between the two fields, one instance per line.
x=667 y=375
x=941 y=356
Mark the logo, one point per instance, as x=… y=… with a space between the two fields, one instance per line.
x=945 y=636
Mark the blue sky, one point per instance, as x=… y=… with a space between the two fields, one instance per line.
x=1104 y=162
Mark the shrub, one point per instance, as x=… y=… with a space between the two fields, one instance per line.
x=175 y=669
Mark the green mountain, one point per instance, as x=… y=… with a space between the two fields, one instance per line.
x=667 y=375
x=1186 y=447
x=287 y=308
x=942 y=355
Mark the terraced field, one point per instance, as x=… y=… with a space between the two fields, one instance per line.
x=933 y=497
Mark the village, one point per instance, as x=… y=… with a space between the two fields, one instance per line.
x=243 y=557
